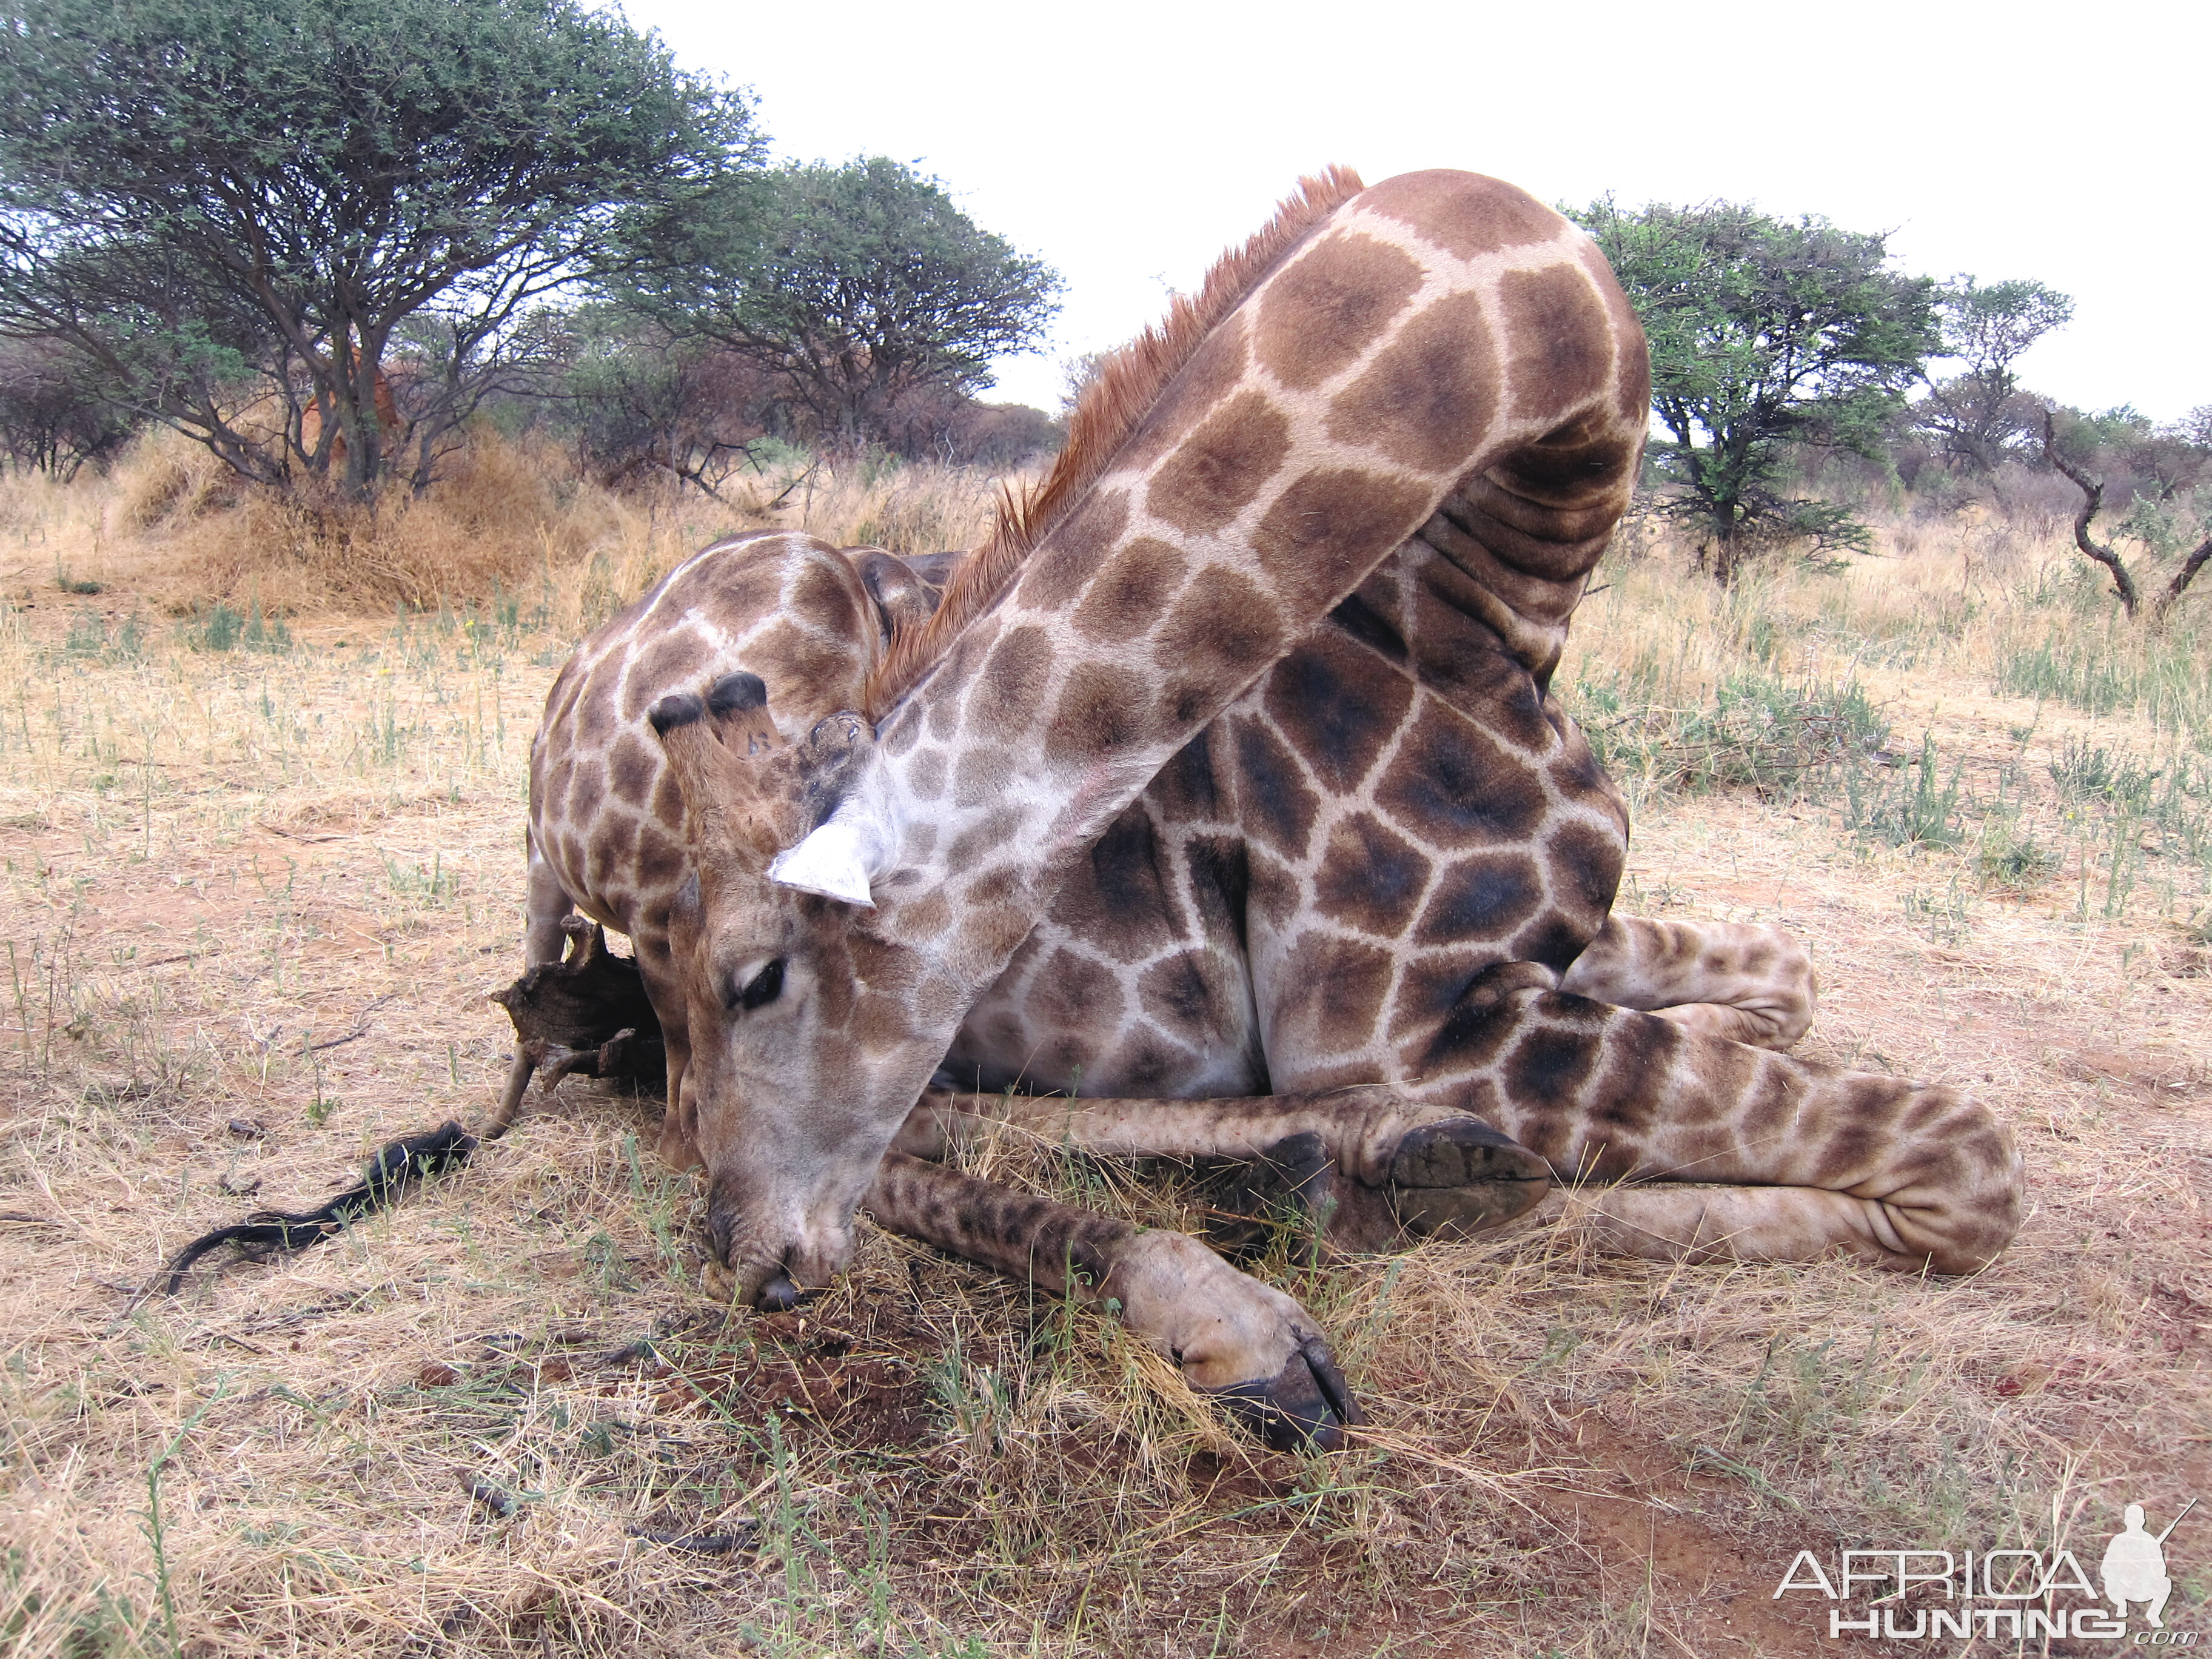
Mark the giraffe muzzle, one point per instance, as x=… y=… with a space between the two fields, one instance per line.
x=780 y=1260
x=778 y=1294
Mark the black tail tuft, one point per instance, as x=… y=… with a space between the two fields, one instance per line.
x=389 y=1174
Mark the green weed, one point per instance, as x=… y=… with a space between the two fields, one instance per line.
x=433 y=884
x=2085 y=773
x=1919 y=809
x=88 y=638
x=2161 y=679
x=219 y=628
x=1758 y=731
x=2010 y=857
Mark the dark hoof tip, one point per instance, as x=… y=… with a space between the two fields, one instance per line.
x=779 y=1295
x=1462 y=1176
x=1305 y=1407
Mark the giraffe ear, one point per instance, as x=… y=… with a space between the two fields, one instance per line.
x=832 y=861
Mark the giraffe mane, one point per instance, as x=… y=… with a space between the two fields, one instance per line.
x=1123 y=390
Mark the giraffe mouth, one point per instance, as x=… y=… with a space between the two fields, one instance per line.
x=773 y=1268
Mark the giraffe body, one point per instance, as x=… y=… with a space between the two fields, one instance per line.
x=1226 y=784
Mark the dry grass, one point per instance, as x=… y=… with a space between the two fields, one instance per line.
x=255 y=899
x=509 y=529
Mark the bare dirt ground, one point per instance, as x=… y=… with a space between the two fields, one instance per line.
x=255 y=900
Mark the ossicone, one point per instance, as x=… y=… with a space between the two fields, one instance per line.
x=681 y=709
x=736 y=694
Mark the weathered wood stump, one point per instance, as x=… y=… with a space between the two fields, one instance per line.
x=586 y=1015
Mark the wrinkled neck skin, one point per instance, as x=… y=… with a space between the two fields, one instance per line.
x=1486 y=397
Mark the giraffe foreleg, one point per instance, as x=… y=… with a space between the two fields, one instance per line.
x=1242 y=1341
x=1748 y=982
x=1734 y=1152
x=1366 y=1162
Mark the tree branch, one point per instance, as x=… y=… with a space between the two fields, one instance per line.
x=2092 y=493
x=2182 y=578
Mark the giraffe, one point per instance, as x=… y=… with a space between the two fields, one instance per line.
x=1226 y=781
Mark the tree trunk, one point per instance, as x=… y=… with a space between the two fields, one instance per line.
x=1726 y=549
x=2093 y=497
x=364 y=432
x=1724 y=557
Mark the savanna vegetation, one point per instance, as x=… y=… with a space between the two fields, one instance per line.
x=310 y=487
x=263 y=866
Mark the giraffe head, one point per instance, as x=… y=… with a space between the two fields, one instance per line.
x=797 y=1073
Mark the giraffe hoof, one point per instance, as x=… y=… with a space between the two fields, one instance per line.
x=1305 y=1406
x=1462 y=1176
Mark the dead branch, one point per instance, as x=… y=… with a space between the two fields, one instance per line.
x=588 y=1014
x=2092 y=491
x=2182 y=578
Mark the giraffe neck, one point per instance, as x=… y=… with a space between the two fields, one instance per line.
x=1441 y=357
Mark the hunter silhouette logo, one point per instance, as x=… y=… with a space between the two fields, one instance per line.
x=2012 y=1594
x=2134 y=1569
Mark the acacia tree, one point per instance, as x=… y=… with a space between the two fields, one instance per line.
x=53 y=418
x=1980 y=414
x=201 y=198
x=1765 y=332
x=641 y=404
x=856 y=287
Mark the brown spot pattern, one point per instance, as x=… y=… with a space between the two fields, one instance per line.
x=1101 y=710
x=1333 y=991
x=1075 y=993
x=1225 y=631
x=1371 y=876
x=1323 y=532
x=1131 y=591
x=1337 y=705
x=664 y=666
x=1465 y=213
x=1428 y=399
x=1321 y=313
x=1562 y=348
x=1487 y=896
x=1057 y=571
x=1220 y=468
x=1451 y=785
x=1004 y=701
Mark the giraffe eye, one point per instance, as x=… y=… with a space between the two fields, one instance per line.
x=763 y=988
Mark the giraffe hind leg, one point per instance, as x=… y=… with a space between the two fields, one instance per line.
x=1732 y=1152
x=1747 y=983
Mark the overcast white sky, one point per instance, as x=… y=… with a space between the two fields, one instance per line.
x=1128 y=144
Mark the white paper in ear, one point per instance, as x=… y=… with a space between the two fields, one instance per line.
x=832 y=861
